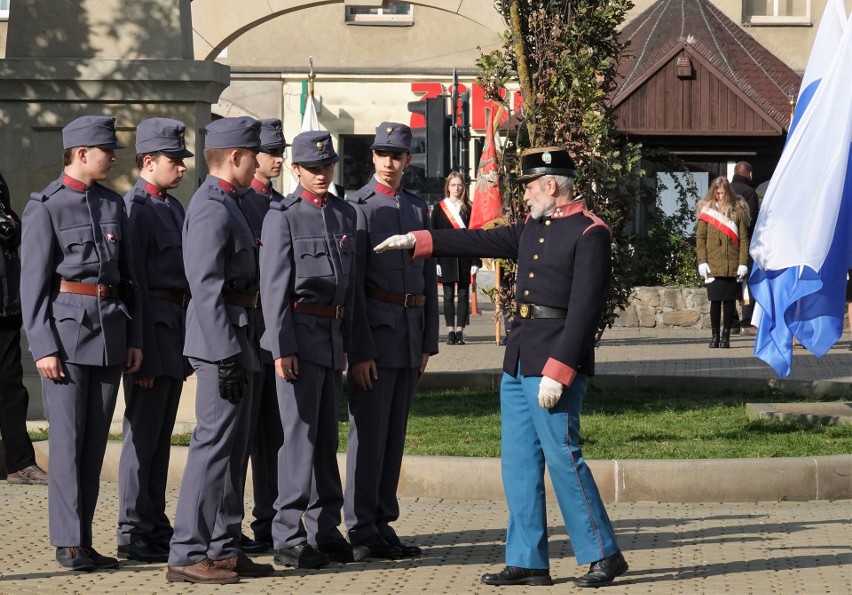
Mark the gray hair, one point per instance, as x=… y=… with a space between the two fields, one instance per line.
x=564 y=184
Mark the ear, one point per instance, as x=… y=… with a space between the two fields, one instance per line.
x=234 y=157
x=82 y=153
x=297 y=169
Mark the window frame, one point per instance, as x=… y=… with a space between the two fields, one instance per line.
x=4 y=13
x=776 y=19
x=380 y=19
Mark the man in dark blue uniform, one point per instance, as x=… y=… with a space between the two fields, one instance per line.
x=82 y=323
x=265 y=419
x=392 y=341
x=222 y=345
x=564 y=264
x=306 y=265
x=151 y=395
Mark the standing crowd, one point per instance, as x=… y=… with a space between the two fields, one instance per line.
x=268 y=299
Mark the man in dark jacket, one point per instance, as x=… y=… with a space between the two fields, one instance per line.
x=743 y=185
x=20 y=458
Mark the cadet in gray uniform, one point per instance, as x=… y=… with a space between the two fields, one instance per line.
x=151 y=395
x=82 y=328
x=391 y=346
x=221 y=342
x=306 y=260
x=265 y=420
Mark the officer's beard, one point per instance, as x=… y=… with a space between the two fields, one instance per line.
x=539 y=211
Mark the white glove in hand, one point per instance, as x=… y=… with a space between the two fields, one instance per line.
x=401 y=242
x=474 y=270
x=549 y=391
x=438 y=267
x=704 y=269
x=742 y=271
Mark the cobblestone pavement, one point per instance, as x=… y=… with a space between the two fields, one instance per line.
x=767 y=547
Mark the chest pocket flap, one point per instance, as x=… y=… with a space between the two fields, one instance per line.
x=312 y=257
x=79 y=243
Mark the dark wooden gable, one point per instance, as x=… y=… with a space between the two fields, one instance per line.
x=686 y=94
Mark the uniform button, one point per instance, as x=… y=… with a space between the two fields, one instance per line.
x=526 y=292
x=532 y=275
x=547 y=222
x=541 y=240
x=535 y=256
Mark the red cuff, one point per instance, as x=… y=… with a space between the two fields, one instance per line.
x=423 y=244
x=559 y=372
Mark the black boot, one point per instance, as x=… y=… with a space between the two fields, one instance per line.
x=459 y=338
x=451 y=338
x=725 y=343
x=714 y=342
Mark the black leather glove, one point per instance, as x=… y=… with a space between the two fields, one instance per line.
x=232 y=379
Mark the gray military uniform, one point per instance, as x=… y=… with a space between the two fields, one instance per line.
x=395 y=336
x=307 y=257
x=76 y=233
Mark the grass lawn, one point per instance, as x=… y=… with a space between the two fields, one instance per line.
x=637 y=424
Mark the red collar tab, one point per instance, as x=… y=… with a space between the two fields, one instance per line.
x=72 y=183
x=155 y=190
x=577 y=206
x=313 y=198
x=387 y=190
x=228 y=187
x=261 y=187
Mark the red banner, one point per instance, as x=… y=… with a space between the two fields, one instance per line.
x=487 y=201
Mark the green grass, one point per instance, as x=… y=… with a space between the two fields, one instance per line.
x=633 y=424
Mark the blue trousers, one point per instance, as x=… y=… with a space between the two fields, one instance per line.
x=531 y=437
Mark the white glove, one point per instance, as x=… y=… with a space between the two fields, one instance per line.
x=402 y=242
x=549 y=391
x=474 y=270
x=742 y=271
x=704 y=269
x=438 y=267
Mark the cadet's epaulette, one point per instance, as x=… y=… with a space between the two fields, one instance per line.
x=216 y=193
x=52 y=188
x=139 y=195
x=364 y=198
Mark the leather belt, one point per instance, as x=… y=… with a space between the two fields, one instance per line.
x=335 y=312
x=526 y=310
x=93 y=289
x=407 y=300
x=181 y=298
x=246 y=300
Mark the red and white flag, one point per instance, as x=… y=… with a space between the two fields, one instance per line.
x=487 y=201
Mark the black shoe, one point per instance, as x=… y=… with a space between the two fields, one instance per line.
x=603 y=572
x=301 y=556
x=143 y=550
x=375 y=547
x=100 y=561
x=253 y=546
x=515 y=575
x=460 y=338
x=74 y=558
x=408 y=551
x=337 y=551
x=451 y=338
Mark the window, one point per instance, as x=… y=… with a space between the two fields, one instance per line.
x=390 y=14
x=4 y=10
x=777 y=12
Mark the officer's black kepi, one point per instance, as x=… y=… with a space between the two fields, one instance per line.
x=162 y=135
x=233 y=133
x=544 y=161
x=313 y=148
x=91 y=131
x=393 y=137
x=271 y=135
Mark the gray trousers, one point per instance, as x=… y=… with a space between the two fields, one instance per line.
x=210 y=506
x=378 y=419
x=268 y=438
x=310 y=495
x=79 y=410
x=149 y=418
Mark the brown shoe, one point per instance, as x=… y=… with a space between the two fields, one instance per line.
x=204 y=572
x=244 y=566
x=32 y=475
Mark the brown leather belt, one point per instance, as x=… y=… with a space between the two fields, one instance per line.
x=535 y=311
x=335 y=312
x=93 y=289
x=407 y=300
x=246 y=300
x=181 y=298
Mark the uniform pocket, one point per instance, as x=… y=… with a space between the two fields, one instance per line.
x=78 y=244
x=390 y=260
x=63 y=311
x=243 y=260
x=111 y=233
x=347 y=251
x=312 y=257
x=169 y=251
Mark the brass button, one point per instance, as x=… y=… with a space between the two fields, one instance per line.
x=541 y=240
x=526 y=292
x=535 y=256
x=547 y=222
x=532 y=275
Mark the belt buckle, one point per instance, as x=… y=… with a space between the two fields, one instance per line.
x=103 y=290
x=410 y=300
x=525 y=310
x=338 y=312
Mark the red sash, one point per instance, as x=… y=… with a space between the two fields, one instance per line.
x=720 y=222
x=451 y=217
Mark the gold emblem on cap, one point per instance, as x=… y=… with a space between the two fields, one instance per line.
x=546 y=157
x=319 y=145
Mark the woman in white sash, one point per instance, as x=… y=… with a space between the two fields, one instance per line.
x=722 y=248
x=455 y=273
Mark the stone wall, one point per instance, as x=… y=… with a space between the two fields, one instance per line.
x=675 y=307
